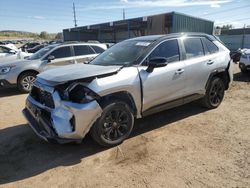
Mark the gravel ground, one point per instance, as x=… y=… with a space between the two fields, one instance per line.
x=184 y=147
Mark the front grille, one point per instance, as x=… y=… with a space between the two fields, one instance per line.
x=42 y=96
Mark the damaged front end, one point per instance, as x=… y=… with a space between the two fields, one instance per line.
x=63 y=113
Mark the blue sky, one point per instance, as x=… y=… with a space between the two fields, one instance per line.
x=55 y=15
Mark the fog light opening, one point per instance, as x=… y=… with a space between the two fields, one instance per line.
x=72 y=123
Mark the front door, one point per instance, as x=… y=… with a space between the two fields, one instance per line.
x=164 y=84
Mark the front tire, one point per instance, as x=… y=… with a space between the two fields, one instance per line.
x=114 y=125
x=214 y=94
x=25 y=81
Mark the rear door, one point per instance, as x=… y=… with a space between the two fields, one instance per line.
x=196 y=65
x=63 y=56
x=164 y=84
x=97 y=49
x=83 y=53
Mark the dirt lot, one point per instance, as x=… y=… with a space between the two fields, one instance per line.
x=184 y=147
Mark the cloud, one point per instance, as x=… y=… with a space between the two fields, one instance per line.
x=38 y=17
x=155 y=3
x=172 y=3
x=215 y=5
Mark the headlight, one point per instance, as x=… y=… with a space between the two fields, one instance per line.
x=78 y=93
x=4 y=70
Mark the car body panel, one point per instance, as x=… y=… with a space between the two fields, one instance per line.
x=163 y=84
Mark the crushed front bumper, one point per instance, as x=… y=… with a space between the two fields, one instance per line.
x=66 y=122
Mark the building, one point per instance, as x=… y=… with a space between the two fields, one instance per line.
x=157 y=24
x=236 y=38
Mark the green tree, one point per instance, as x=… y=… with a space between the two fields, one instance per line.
x=228 y=26
x=44 y=35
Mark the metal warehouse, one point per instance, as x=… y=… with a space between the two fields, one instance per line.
x=149 y=25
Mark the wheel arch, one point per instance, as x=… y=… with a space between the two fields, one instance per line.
x=222 y=74
x=123 y=96
x=26 y=71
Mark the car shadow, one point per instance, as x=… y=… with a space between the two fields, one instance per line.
x=24 y=155
x=239 y=77
x=7 y=92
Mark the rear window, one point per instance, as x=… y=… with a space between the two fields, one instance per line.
x=209 y=46
x=83 y=50
x=97 y=49
x=193 y=47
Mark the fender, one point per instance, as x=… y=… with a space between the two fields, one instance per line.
x=223 y=73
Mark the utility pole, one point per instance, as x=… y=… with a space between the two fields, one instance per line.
x=74 y=11
x=243 y=37
x=123 y=13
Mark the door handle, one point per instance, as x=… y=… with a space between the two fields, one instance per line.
x=210 y=62
x=179 y=71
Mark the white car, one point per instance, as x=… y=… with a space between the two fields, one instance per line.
x=10 y=52
x=245 y=61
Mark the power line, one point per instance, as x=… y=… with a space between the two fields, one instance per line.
x=241 y=19
x=227 y=10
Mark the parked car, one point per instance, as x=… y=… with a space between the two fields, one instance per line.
x=245 y=61
x=235 y=55
x=36 y=48
x=8 y=53
x=22 y=73
x=132 y=79
x=29 y=45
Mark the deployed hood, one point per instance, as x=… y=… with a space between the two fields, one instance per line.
x=76 y=72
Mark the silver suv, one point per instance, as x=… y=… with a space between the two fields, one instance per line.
x=132 y=79
x=22 y=73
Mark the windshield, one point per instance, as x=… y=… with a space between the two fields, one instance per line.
x=123 y=53
x=40 y=53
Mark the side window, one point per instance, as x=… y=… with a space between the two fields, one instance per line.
x=97 y=49
x=193 y=47
x=210 y=46
x=83 y=50
x=61 y=52
x=168 y=49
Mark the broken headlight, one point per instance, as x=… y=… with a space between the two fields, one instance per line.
x=79 y=93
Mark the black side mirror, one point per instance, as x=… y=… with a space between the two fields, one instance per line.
x=156 y=62
x=50 y=58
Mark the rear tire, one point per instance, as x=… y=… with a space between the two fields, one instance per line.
x=114 y=125
x=214 y=93
x=25 y=81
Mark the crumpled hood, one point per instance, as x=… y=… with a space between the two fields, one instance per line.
x=76 y=72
